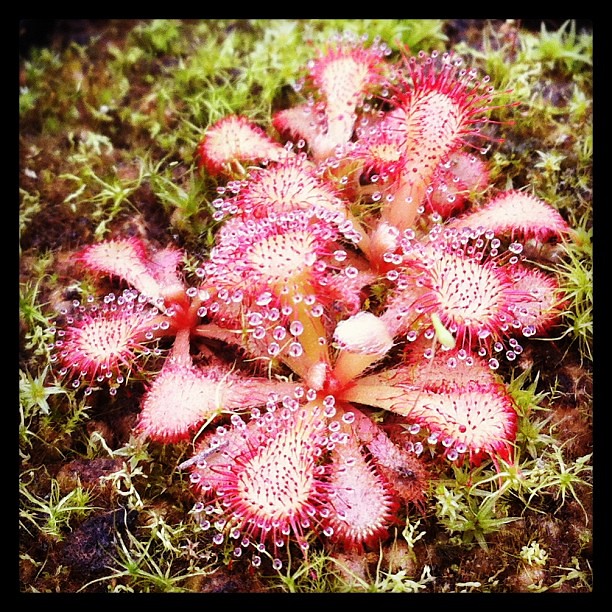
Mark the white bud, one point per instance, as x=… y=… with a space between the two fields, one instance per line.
x=363 y=333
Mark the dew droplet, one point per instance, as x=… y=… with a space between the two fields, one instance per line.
x=317 y=310
x=279 y=333
x=452 y=455
x=296 y=328
x=295 y=349
x=528 y=331
x=264 y=299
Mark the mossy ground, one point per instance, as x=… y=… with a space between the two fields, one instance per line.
x=110 y=114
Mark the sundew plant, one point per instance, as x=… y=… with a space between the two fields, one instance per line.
x=307 y=306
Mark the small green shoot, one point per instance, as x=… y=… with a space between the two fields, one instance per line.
x=112 y=196
x=558 y=478
x=575 y=273
x=52 y=515
x=149 y=566
x=533 y=554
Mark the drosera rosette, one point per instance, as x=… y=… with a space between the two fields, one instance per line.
x=185 y=398
x=393 y=326
x=303 y=468
x=102 y=344
x=290 y=183
x=439 y=107
x=517 y=215
x=133 y=261
x=262 y=479
x=458 y=287
x=233 y=142
x=454 y=403
x=455 y=183
x=278 y=282
x=339 y=79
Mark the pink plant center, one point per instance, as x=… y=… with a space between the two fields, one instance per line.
x=363 y=339
x=381 y=156
x=385 y=153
